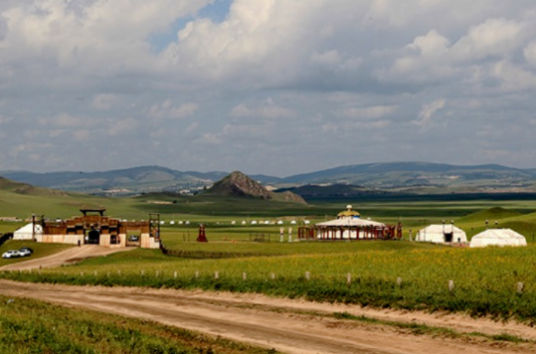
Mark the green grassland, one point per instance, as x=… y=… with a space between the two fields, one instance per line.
x=485 y=280
x=398 y=274
x=30 y=326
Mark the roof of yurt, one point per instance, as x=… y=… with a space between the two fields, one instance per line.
x=498 y=237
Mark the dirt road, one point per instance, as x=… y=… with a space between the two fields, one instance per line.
x=67 y=256
x=290 y=326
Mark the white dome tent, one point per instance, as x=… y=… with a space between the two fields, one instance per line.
x=498 y=237
x=441 y=233
x=26 y=232
x=350 y=226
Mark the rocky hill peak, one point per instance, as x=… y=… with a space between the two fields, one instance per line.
x=238 y=184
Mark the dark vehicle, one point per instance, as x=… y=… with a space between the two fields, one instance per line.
x=25 y=251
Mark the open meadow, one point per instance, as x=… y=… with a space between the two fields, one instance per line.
x=249 y=258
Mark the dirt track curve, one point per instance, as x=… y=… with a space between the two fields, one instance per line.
x=67 y=256
x=290 y=326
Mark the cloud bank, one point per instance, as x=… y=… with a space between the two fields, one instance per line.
x=268 y=86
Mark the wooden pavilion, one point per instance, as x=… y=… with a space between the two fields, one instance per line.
x=349 y=226
x=93 y=227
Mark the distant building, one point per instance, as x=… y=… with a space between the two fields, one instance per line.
x=350 y=226
x=92 y=227
x=9 y=218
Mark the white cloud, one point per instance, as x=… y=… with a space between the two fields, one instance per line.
x=73 y=72
x=211 y=138
x=267 y=110
x=330 y=57
x=494 y=37
x=123 y=127
x=105 y=102
x=166 y=110
x=369 y=112
x=428 y=111
x=104 y=37
x=530 y=53
x=431 y=45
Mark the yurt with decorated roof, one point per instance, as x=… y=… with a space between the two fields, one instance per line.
x=349 y=225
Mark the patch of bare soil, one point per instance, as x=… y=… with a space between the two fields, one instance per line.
x=290 y=326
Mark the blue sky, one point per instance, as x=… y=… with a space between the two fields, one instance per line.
x=267 y=86
x=216 y=11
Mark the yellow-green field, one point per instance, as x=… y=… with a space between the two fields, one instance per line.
x=369 y=273
x=398 y=274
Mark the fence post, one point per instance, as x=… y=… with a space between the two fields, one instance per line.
x=196 y=274
x=451 y=285
x=244 y=276
x=272 y=276
x=216 y=275
x=399 y=281
x=519 y=288
x=175 y=275
x=348 y=278
x=95 y=273
x=307 y=275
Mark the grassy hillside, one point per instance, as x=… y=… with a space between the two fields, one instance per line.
x=492 y=214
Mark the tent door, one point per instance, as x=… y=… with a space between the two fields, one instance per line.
x=448 y=237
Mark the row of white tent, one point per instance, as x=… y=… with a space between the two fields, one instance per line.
x=244 y=222
x=489 y=237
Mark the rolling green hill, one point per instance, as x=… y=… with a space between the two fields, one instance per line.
x=492 y=214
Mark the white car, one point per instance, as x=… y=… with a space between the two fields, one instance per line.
x=11 y=254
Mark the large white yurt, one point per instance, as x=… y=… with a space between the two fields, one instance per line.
x=441 y=234
x=498 y=237
x=26 y=232
x=348 y=225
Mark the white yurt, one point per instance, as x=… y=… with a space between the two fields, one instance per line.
x=498 y=237
x=348 y=225
x=441 y=234
x=26 y=232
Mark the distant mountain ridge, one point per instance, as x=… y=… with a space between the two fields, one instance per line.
x=409 y=176
x=26 y=189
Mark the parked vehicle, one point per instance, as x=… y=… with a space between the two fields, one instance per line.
x=11 y=254
x=25 y=251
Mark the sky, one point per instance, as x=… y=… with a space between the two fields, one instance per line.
x=275 y=87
